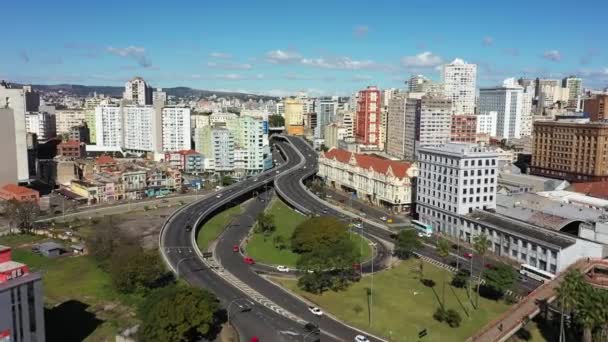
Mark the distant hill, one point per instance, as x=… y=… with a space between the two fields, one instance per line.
x=82 y=90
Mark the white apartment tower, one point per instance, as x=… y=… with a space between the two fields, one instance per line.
x=454 y=179
x=138 y=91
x=176 y=133
x=42 y=124
x=139 y=128
x=428 y=122
x=159 y=97
x=507 y=102
x=108 y=126
x=222 y=144
x=69 y=118
x=459 y=81
x=486 y=123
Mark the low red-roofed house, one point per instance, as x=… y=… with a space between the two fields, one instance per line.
x=19 y=193
x=72 y=149
x=382 y=182
x=593 y=189
x=105 y=163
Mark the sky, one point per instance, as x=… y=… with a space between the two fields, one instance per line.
x=285 y=47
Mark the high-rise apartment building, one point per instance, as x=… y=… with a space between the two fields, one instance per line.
x=140 y=126
x=326 y=109
x=251 y=143
x=21 y=301
x=459 y=80
x=68 y=118
x=16 y=102
x=464 y=128
x=597 y=107
x=507 y=102
x=574 y=150
x=486 y=123
x=417 y=84
x=527 y=114
x=42 y=124
x=294 y=115
x=367 y=124
x=574 y=88
x=430 y=124
x=138 y=91
x=159 y=97
x=222 y=145
x=108 y=123
x=175 y=128
x=548 y=92
x=400 y=141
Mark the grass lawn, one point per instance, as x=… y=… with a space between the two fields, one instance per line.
x=76 y=294
x=214 y=227
x=262 y=248
x=402 y=305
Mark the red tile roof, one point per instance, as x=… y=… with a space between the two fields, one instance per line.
x=105 y=160
x=594 y=189
x=187 y=152
x=18 y=190
x=365 y=161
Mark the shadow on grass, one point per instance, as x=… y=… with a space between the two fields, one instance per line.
x=430 y=283
x=69 y=321
x=459 y=302
x=490 y=293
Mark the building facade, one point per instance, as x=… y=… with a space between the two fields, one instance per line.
x=72 y=149
x=378 y=181
x=507 y=102
x=368 y=116
x=222 y=143
x=69 y=118
x=108 y=123
x=138 y=92
x=486 y=123
x=139 y=128
x=21 y=301
x=464 y=128
x=459 y=80
x=294 y=114
x=566 y=149
x=19 y=193
x=597 y=107
x=42 y=124
x=176 y=133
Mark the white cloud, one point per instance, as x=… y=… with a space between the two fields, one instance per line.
x=136 y=53
x=342 y=63
x=487 y=41
x=422 y=60
x=238 y=77
x=361 y=31
x=282 y=56
x=552 y=55
x=221 y=55
x=229 y=66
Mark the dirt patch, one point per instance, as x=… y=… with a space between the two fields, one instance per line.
x=145 y=225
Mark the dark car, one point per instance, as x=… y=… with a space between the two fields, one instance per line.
x=188 y=227
x=311 y=327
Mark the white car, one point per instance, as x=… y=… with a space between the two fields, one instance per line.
x=282 y=268
x=218 y=196
x=315 y=311
x=361 y=338
x=383 y=218
x=358 y=225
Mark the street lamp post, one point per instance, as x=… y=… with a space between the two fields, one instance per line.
x=371 y=298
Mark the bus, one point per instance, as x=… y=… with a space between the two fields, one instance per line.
x=535 y=273
x=424 y=230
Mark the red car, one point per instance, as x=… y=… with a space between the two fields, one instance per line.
x=468 y=255
x=235 y=248
x=249 y=260
x=357 y=267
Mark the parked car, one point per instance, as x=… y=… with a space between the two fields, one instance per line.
x=311 y=327
x=315 y=311
x=218 y=196
x=468 y=255
x=188 y=227
x=249 y=260
x=383 y=218
x=235 y=248
x=282 y=268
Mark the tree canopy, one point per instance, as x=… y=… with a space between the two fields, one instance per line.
x=276 y=121
x=177 y=313
x=134 y=269
x=21 y=213
x=407 y=242
x=265 y=223
x=500 y=278
x=317 y=231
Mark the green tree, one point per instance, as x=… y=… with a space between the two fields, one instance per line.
x=568 y=295
x=134 y=269
x=443 y=250
x=481 y=243
x=452 y=318
x=105 y=239
x=317 y=231
x=227 y=180
x=22 y=214
x=461 y=279
x=500 y=278
x=276 y=121
x=407 y=242
x=265 y=223
x=279 y=242
x=177 y=313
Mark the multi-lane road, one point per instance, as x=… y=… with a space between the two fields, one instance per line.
x=277 y=315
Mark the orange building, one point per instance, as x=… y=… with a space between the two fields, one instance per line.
x=19 y=193
x=464 y=128
x=295 y=130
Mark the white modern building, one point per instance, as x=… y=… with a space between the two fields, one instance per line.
x=486 y=123
x=140 y=129
x=383 y=182
x=251 y=141
x=326 y=108
x=507 y=102
x=42 y=124
x=459 y=81
x=68 y=118
x=176 y=132
x=525 y=128
x=159 y=97
x=138 y=92
x=108 y=126
x=222 y=145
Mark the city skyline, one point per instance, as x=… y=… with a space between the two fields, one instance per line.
x=330 y=50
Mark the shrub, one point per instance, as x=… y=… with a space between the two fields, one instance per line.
x=461 y=279
x=440 y=314
x=452 y=318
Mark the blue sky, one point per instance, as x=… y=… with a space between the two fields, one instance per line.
x=281 y=47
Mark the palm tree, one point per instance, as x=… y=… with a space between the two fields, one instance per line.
x=443 y=250
x=568 y=296
x=481 y=243
x=588 y=313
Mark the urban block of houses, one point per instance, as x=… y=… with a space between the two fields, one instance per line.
x=382 y=182
x=19 y=193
